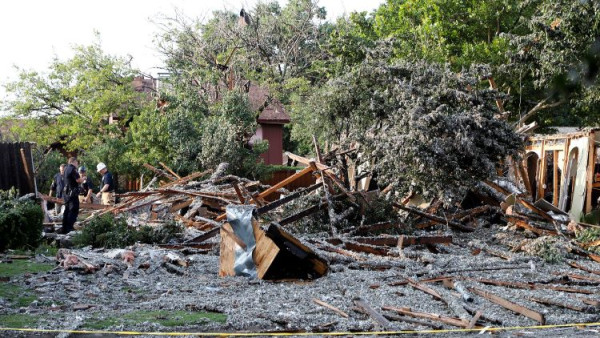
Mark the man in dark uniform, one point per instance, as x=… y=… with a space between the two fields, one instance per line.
x=71 y=195
x=86 y=187
x=57 y=186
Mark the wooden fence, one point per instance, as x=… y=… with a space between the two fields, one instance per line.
x=16 y=167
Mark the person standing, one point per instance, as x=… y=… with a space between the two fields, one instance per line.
x=71 y=195
x=107 y=187
x=86 y=187
x=57 y=186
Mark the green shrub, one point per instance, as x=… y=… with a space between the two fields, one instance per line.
x=21 y=222
x=590 y=235
x=109 y=232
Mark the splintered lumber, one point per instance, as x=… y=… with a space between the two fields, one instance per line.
x=159 y=172
x=188 y=178
x=581 y=267
x=169 y=170
x=375 y=250
x=476 y=317
x=285 y=182
x=529 y=286
x=431 y=316
x=510 y=305
x=381 y=320
x=425 y=289
x=364 y=229
x=305 y=161
x=303 y=213
x=265 y=251
x=330 y=307
x=204 y=236
x=286 y=199
x=184 y=204
x=440 y=220
x=406 y=240
x=412 y=321
x=229 y=242
x=535 y=209
x=551 y=302
x=238 y=192
x=525 y=225
x=30 y=178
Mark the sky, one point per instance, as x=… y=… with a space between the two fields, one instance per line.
x=33 y=32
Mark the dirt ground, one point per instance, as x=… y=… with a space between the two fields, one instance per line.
x=101 y=300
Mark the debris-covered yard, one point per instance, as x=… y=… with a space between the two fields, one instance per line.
x=330 y=257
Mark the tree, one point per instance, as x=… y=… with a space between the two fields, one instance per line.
x=71 y=104
x=426 y=128
x=560 y=59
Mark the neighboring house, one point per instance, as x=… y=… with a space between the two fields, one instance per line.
x=270 y=123
x=564 y=170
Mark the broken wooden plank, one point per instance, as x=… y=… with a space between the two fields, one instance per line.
x=581 y=267
x=285 y=182
x=412 y=321
x=277 y=203
x=431 y=316
x=203 y=237
x=364 y=229
x=159 y=172
x=552 y=302
x=529 y=286
x=187 y=178
x=238 y=192
x=381 y=320
x=425 y=289
x=539 y=317
x=306 y=259
x=265 y=251
x=330 y=307
x=375 y=250
x=229 y=242
x=176 y=207
x=406 y=241
x=169 y=170
x=440 y=220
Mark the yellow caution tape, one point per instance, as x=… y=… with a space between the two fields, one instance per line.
x=254 y=334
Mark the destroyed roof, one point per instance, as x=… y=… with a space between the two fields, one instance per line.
x=273 y=113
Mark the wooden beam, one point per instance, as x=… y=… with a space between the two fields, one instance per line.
x=555 y=178
x=305 y=161
x=285 y=182
x=590 y=172
x=431 y=316
x=510 y=305
x=330 y=307
x=159 y=172
x=581 y=267
x=381 y=320
x=434 y=218
x=407 y=240
x=169 y=170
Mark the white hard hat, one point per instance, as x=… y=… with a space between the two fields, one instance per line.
x=100 y=166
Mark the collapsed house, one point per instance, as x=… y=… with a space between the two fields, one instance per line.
x=562 y=169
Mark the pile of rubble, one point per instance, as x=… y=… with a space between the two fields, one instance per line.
x=239 y=221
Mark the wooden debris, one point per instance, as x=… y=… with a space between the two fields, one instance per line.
x=434 y=218
x=330 y=307
x=431 y=316
x=380 y=319
x=510 y=305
